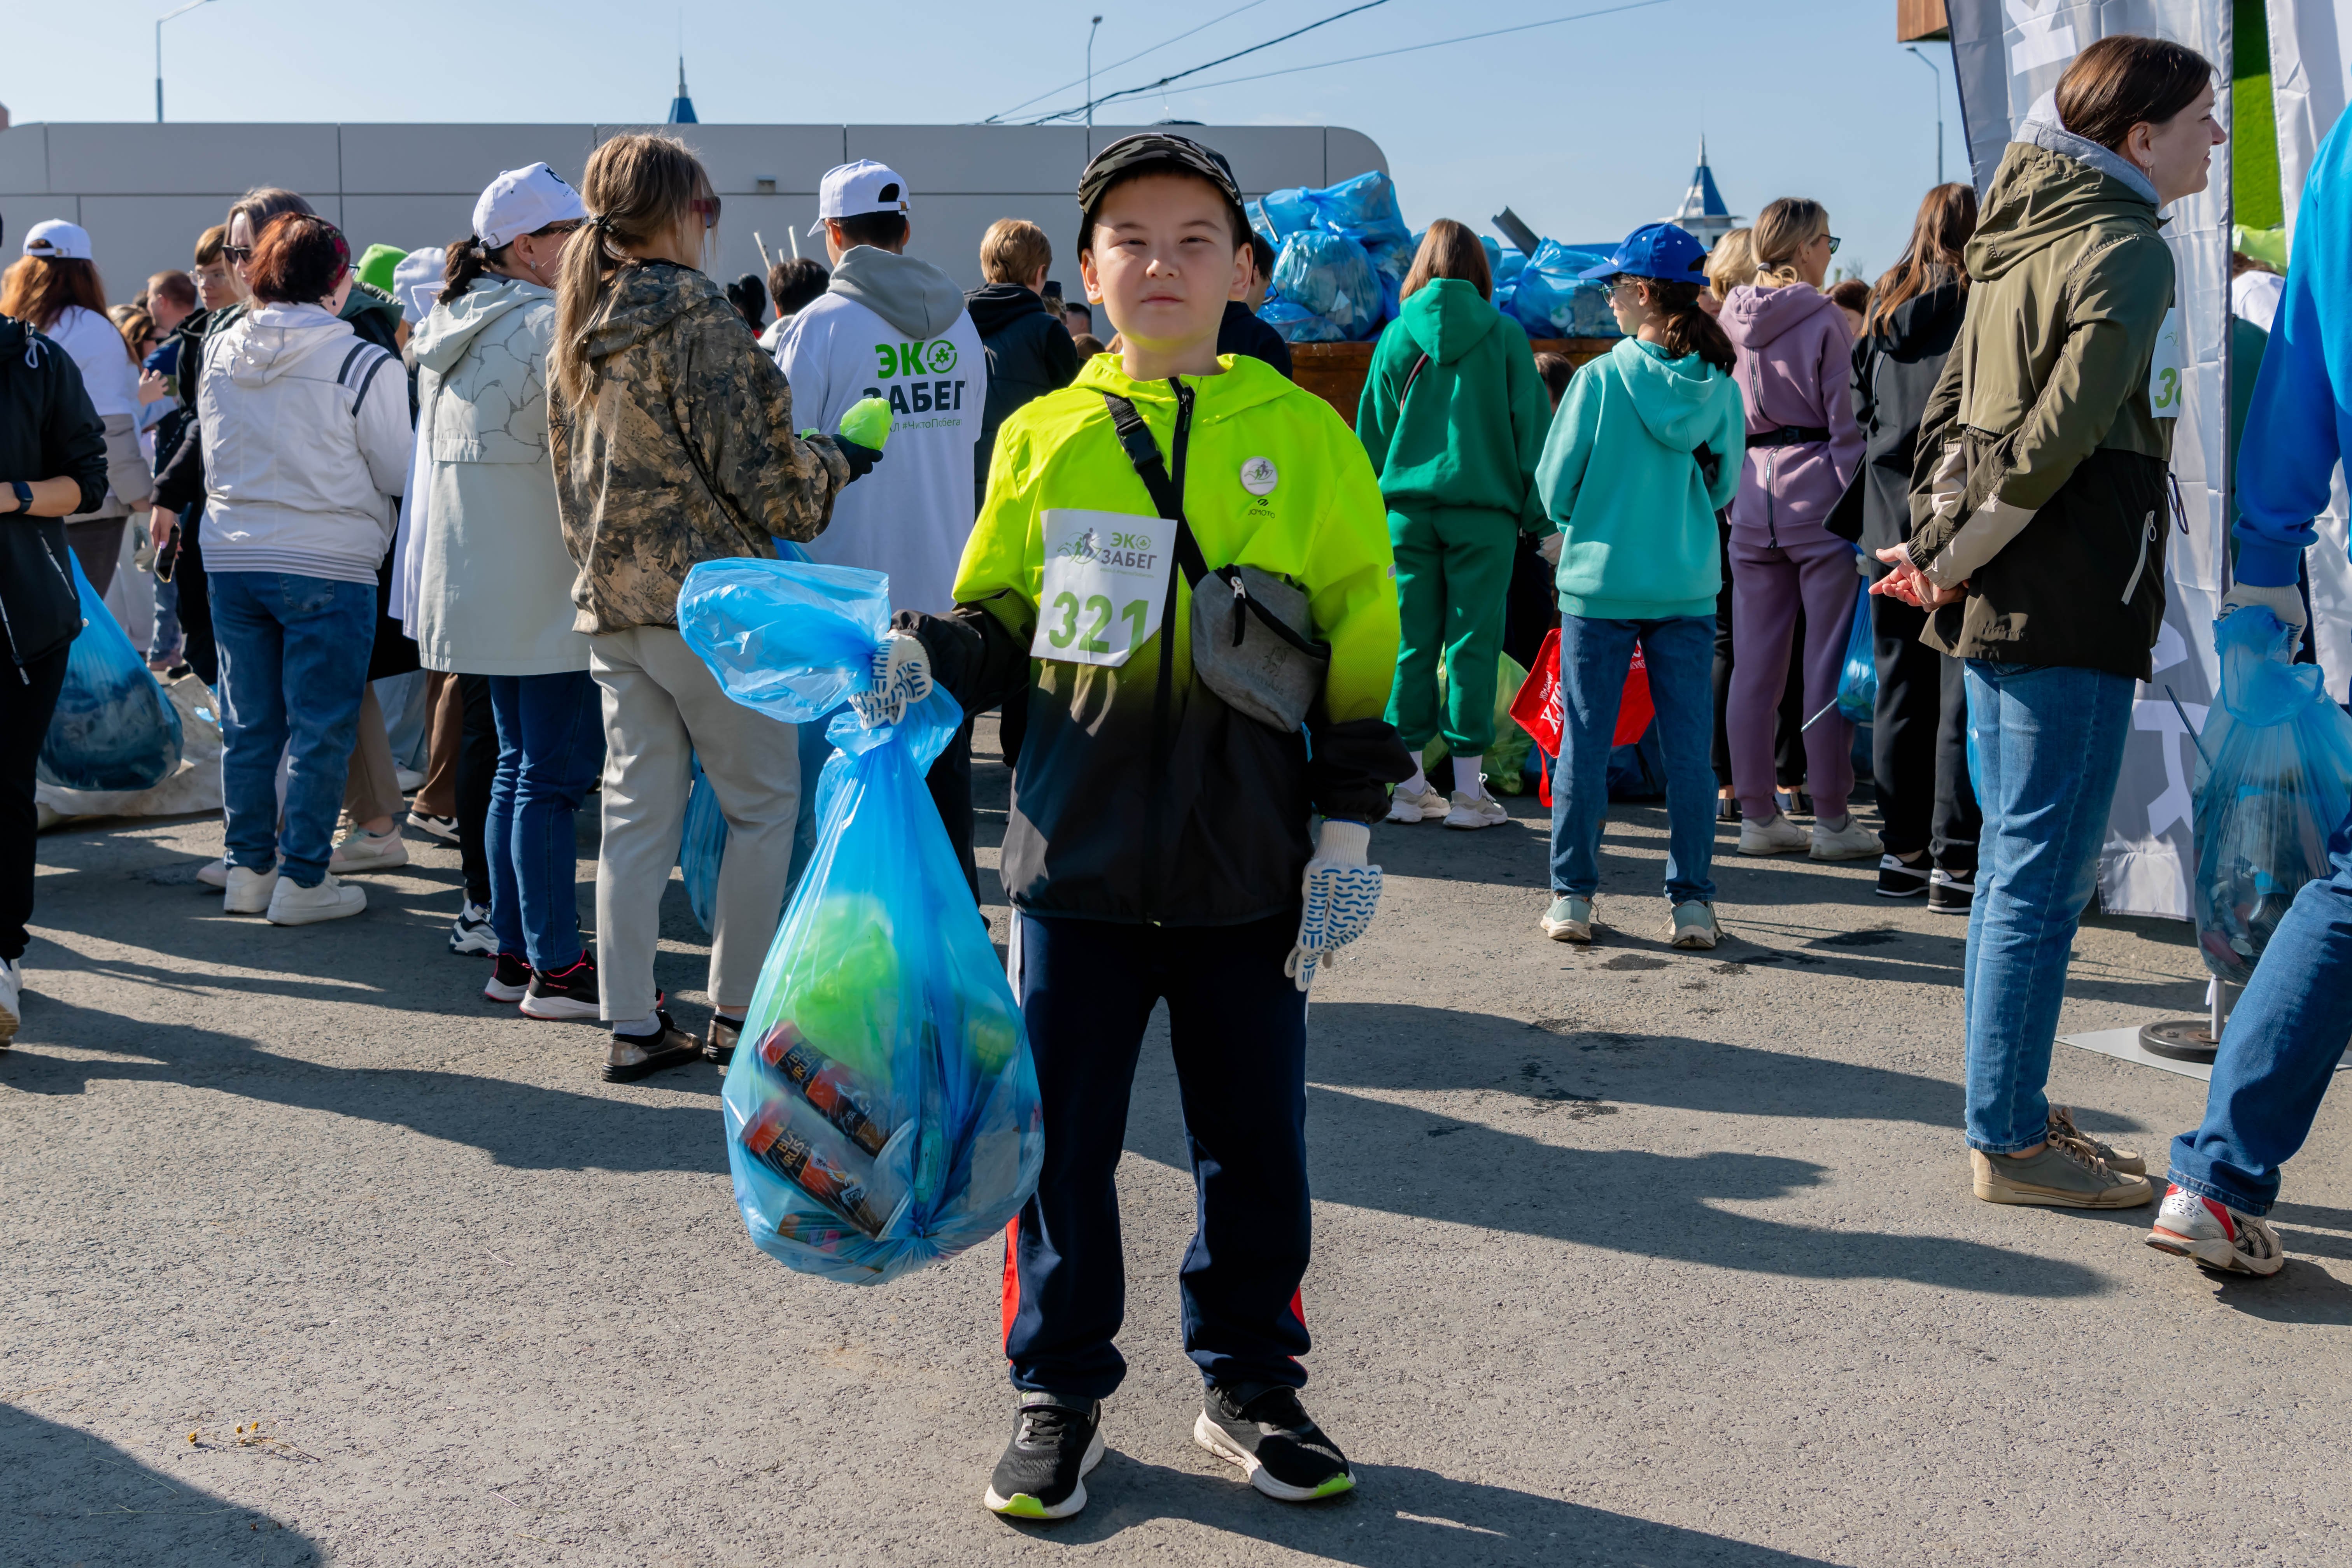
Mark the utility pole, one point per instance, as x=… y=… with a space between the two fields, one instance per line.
x=183 y=11
x=1090 y=85
x=1913 y=51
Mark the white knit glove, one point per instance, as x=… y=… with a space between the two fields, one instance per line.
x=902 y=674
x=1341 y=893
x=2285 y=601
x=1549 y=548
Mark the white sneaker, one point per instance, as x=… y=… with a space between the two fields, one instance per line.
x=1480 y=810
x=331 y=900
x=2215 y=1235
x=12 y=999
x=249 y=891
x=1416 y=805
x=409 y=779
x=471 y=932
x=213 y=874
x=1852 y=842
x=363 y=851
x=1773 y=838
x=1692 y=925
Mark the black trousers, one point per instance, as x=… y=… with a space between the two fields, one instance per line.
x=27 y=698
x=950 y=786
x=477 y=769
x=197 y=647
x=1237 y=1027
x=1919 y=742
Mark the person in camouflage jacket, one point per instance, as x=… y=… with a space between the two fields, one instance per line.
x=682 y=452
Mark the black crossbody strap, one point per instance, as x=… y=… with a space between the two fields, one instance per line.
x=1135 y=438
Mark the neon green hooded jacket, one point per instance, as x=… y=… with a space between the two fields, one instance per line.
x=1138 y=800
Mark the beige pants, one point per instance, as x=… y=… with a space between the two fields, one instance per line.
x=662 y=704
x=445 y=717
x=372 y=787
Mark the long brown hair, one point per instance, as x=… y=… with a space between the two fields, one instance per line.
x=1449 y=250
x=37 y=289
x=258 y=205
x=1936 y=254
x=1687 y=330
x=635 y=188
x=2125 y=79
x=1781 y=231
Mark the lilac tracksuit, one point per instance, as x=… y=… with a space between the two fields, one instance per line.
x=1795 y=369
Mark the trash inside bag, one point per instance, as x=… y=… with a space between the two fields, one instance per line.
x=882 y=1110
x=1298 y=325
x=2275 y=778
x=114 y=728
x=1364 y=209
x=1330 y=275
x=1506 y=756
x=1857 y=692
x=1551 y=301
x=702 y=848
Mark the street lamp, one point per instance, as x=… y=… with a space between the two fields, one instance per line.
x=1090 y=84
x=1913 y=51
x=183 y=11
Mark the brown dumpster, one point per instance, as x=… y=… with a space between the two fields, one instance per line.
x=1336 y=372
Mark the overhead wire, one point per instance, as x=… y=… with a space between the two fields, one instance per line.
x=1211 y=65
x=1079 y=82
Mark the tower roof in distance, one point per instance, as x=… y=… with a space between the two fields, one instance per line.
x=681 y=108
x=1704 y=212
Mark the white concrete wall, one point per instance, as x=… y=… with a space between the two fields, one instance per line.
x=145 y=192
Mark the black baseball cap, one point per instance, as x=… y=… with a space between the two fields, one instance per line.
x=1156 y=151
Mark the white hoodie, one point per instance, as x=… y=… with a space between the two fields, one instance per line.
x=305 y=442
x=892 y=327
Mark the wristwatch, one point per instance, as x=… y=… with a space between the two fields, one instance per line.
x=23 y=494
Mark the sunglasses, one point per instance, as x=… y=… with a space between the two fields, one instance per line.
x=235 y=253
x=1835 y=243
x=709 y=207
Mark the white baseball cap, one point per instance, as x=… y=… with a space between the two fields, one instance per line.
x=417 y=281
x=58 y=240
x=523 y=201
x=853 y=190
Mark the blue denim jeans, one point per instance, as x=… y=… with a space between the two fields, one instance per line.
x=2050 y=746
x=550 y=748
x=1594 y=656
x=293 y=667
x=2280 y=1048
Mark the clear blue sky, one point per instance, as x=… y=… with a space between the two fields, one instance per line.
x=1587 y=129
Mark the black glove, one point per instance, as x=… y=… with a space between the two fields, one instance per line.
x=861 y=459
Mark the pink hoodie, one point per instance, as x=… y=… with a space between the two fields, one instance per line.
x=1796 y=368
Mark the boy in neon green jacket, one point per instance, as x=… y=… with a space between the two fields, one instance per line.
x=1644 y=452
x=1453 y=416
x=1158 y=846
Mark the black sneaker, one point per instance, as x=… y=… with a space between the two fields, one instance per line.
x=471 y=934
x=1897 y=879
x=563 y=995
x=1951 y=893
x=1043 y=1472
x=1262 y=1427
x=510 y=979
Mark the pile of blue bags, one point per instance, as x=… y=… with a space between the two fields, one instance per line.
x=1544 y=294
x=1340 y=257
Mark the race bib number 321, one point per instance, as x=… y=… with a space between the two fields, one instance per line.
x=1105 y=586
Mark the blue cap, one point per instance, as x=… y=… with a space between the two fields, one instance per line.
x=1657 y=250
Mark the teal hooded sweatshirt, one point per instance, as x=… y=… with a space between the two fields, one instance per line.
x=1469 y=432
x=1621 y=477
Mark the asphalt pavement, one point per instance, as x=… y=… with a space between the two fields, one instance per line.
x=1623 y=1257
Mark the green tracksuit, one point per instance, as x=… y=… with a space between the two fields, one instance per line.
x=1456 y=452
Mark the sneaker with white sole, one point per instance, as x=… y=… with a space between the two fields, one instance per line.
x=1263 y=1428
x=1416 y=805
x=470 y=932
x=1851 y=842
x=332 y=899
x=1692 y=926
x=1480 y=810
x=445 y=828
x=1569 y=919
x=1042 y=1474
x=249 y=891
x=363 y=851
x=510 y=979
x=562 y=994
x=1952 y=892
x=12 y=999
x=1901 y=878
x=213 y=874
x=409 y=780
x=2061 y=1130
x=1774 y=836
x=2215 y=1235
x=2056 y=1176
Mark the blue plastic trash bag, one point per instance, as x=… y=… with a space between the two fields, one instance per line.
x=1551 y=301
x=1364 y=209
x=1330 y=276
x=882 y=1110
x=1298 y=325
x=702 y=848
x=114 y=728
x=2275 y=778
x=1285 y=213
x=1858 y=692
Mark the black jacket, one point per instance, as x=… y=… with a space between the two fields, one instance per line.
x=1029 y=354
x=1242 y=332
x=47 y=430
x=1894 y=369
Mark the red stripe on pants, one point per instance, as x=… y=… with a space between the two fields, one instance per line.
x=1012 y=1278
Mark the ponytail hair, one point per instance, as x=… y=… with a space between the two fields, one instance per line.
x=1687 y=330
x=637 y=187
x=1781 y=231
x=469 y=258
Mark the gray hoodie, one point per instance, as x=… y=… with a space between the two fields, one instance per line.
x=913 y=295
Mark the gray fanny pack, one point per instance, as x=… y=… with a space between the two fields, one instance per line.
x=1253 y=644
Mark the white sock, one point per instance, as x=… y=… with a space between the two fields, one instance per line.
x=1417 y=784
x=1467 y=778
x=648 y=1024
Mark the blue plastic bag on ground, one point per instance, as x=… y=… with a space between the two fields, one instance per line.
x=114 y=728
x=702 y=848
x=1551 y=301
x=1858 y=692
x=1330 y=275
x=1299 y=325
x=2275 y=778
x=882 y=1110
